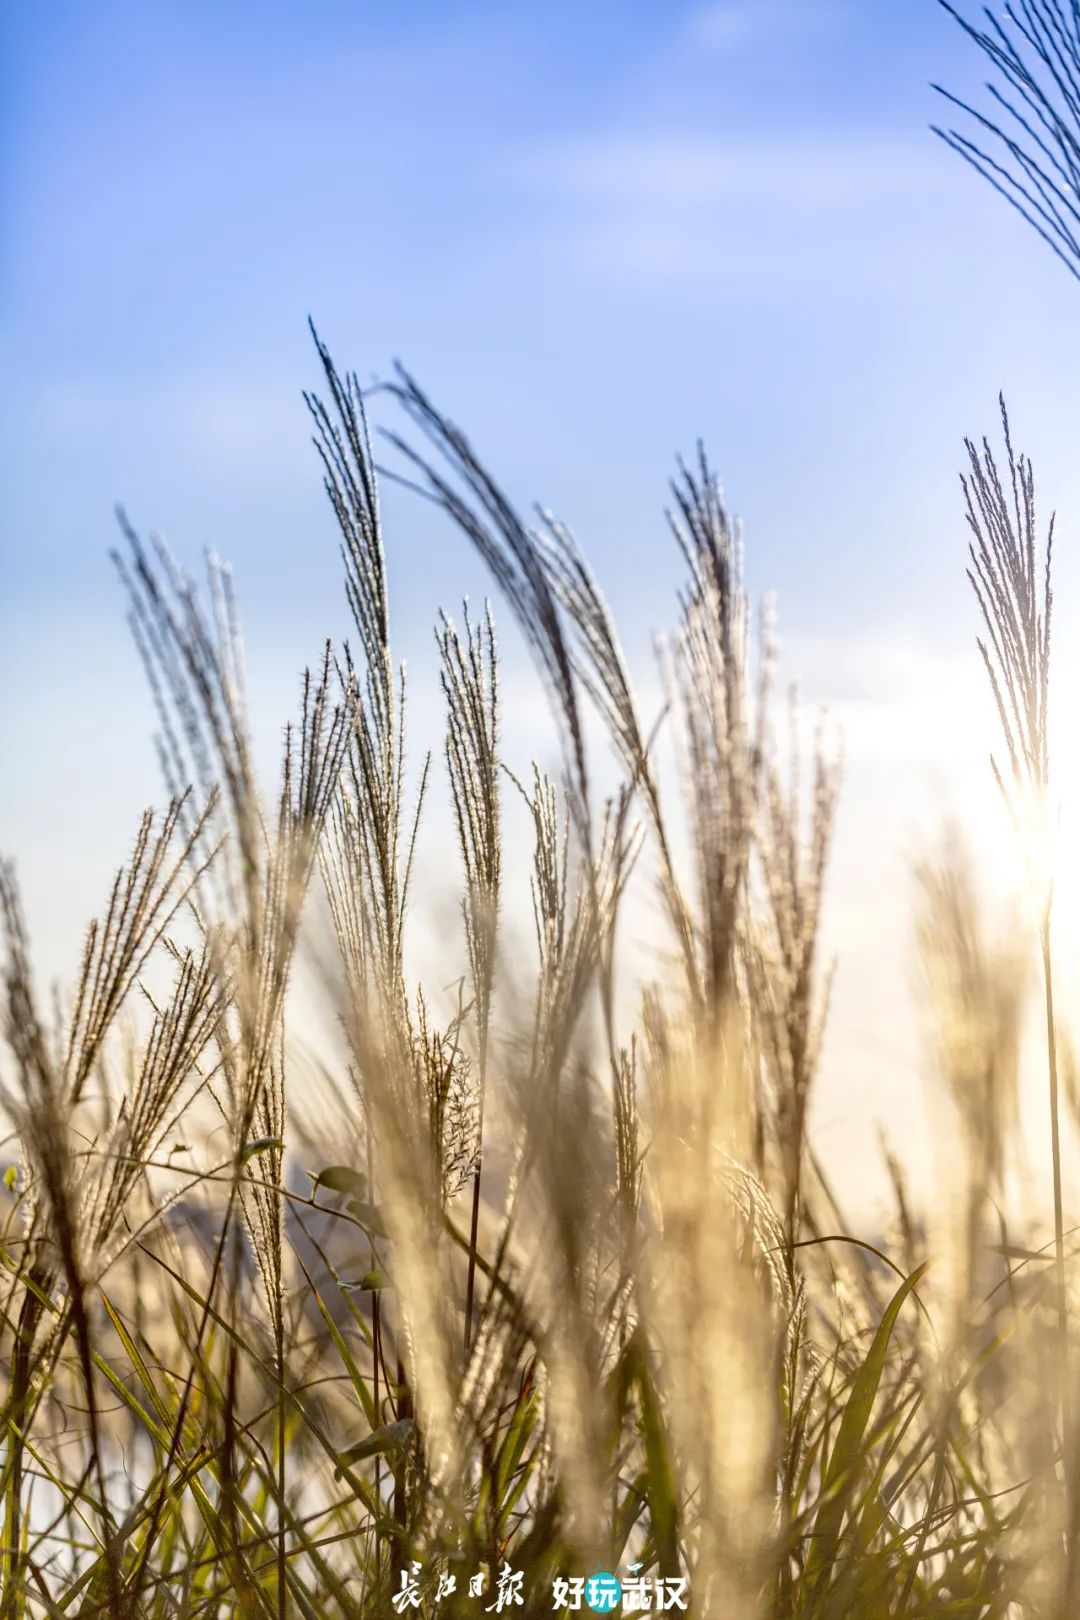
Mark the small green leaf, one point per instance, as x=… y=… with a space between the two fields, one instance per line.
x=391 y=1437
x=10 y=1178
x=373 y=1280
x=340 y=1178
x=263 y=1145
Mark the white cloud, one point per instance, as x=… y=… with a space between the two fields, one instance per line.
x=213 y=423
x=805 y=208
x=808 y=170
x=730 y=25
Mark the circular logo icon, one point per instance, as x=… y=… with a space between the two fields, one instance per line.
x=603 y=1592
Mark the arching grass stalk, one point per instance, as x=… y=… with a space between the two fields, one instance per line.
x=1027 y=142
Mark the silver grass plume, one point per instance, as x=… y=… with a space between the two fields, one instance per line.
x=470 y=686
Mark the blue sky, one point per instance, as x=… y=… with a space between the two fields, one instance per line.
x=594 y=232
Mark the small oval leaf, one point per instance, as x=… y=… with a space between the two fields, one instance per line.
x=263 y=1145
x=341 y=1179
x=391 y=1437
x=373 y=1281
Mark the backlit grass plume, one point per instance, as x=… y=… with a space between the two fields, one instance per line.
x=1010 y=576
